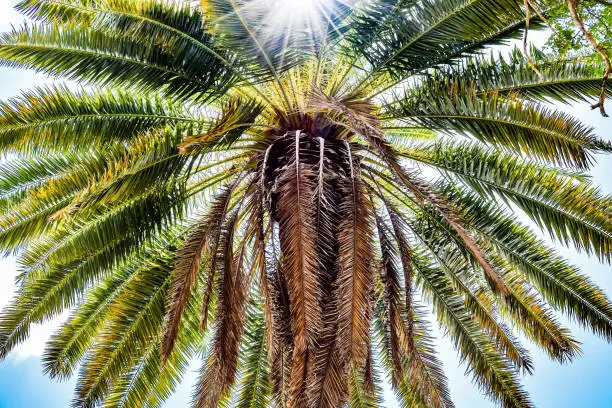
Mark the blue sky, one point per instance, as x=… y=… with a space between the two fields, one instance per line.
x=583 y=383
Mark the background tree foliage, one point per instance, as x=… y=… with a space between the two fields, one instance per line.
x=570 y=42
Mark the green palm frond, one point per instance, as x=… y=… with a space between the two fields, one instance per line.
x=106 y=58
x=56 y=118
x=97 y=182
x=562 y=203
x=69 y=269
x=149 y=383
x=462 y=278
x=244 y=26
x=236 y=117
x=562 y=80
x=505 y=122
x=29 y=213
x=21 y=177
x=363 y=395
x=404 y=37
x=66 y=348
x=134 y=322
x=405 y=348
x=533 y=317
x=495 y=374
x=560 y=283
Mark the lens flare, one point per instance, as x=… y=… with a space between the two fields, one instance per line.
x=303 y=22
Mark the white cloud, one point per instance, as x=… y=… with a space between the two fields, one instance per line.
x=8 y=15
x=39 y=333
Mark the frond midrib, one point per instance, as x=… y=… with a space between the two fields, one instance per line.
x=60 y=119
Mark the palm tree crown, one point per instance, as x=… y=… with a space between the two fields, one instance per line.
x=287 y=198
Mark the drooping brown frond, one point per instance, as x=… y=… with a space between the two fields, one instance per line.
x=220 y=370
x=410 y=362
x=354 y=278
x=333 y=377
x=405 y=253
x=279 y=352
x=261 y=235
x=326 y=379
x=183 y=279
x=277 y=313
x=218 y=212
x=299 y=265
x=391 y=288
x=359 y=119
x=188 y=264
x=426 y=195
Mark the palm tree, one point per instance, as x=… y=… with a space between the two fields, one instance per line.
x=286 y=195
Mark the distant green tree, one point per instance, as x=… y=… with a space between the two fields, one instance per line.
x=597 y=16
x=287 y=196
x=583 y=32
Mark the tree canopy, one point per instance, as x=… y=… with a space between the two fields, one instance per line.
x=293 y=194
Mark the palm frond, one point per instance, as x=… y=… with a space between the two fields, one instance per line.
x=264 y=174
x=461 y=276
x=503 y=121
x=563 y=80
x=562 y=203
x=236 y=117
x=560 y=283
x=70 y=343
x=534 y=318
x=354 y=277
x=362 y=395
x=424 y=383
x=246 y=27
x=404 y=37
x=27 y=216
x=100 y=57
x=495 y=374
x=135 y=319
x=219 y=371
x=205 y=232
x=299 y=266
x=56 y=118
x=147 y=383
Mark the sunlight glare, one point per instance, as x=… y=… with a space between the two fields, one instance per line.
x=305 y=12
x=295 y=20
x=299 y=5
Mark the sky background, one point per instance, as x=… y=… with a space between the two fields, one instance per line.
x=586 y=382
